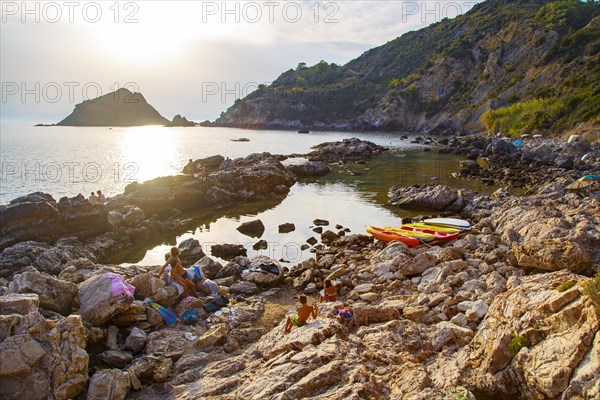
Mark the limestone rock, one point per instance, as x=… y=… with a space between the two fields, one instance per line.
x=19 y=304
x=228 y=251
x=136 y=340
x=115 y=358
x=243 y=288
x=98 y=305
x=428 y=197
x=212 y=337
x=148 y=285
x=287 y=227
x=41 y=358
x=209 y=267
x=108 y=384
x=309 y=169
x=260 y=277
x=190 y=251
x=556 y=349
x=253 y=228
x=54 y=294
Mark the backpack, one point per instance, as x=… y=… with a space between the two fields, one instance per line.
x=190 y=316
x=216 y=304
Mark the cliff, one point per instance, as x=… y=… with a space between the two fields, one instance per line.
x=119 y=108
x=533 y=63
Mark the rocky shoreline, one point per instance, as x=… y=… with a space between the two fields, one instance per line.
x=501 y=312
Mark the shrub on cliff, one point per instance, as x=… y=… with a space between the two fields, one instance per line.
x=591 y=288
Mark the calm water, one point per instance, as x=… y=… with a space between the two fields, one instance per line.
x=65 y=161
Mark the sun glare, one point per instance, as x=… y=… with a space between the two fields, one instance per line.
x=148 y=152
x=157 y=31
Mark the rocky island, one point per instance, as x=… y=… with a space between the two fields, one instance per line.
x=510 y=310
x=119 y=108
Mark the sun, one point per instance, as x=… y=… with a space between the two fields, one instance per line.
x=157 y=31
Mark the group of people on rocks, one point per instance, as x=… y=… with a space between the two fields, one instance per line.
x=97 y=198
x=183 y=279
x=304 y=311
x=190 y=168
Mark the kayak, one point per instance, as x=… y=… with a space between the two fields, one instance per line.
x=423 y=232
x=435 y=228
x=389 y=236
x=450 y=223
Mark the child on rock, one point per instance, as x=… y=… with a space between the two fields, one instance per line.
x=178 y=274
x=304 y=312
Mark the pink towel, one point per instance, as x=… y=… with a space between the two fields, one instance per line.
x=119 y=286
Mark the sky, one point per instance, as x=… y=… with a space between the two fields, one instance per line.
x=193 y=58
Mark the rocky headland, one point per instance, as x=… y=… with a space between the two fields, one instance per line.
x=507 y=311
x=119 y=108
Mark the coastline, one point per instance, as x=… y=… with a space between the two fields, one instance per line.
x=422 y=317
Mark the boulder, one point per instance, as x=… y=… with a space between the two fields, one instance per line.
x=100 y=302
x=54 y=294
x=228 y=251
x=321 y=222
x=260 y=245
x=41 y=358
x=209 y=267
x=243 y=288
x=190 y=251
x=427 y=197
x=132 y=217
x=253 y=228
x=348 y=149
x=19 y=304
x=148 y=285
x=499 y=147
x=45 y=258
x=287 y=227
x=309 y=169
x=328 y=236
x=213 y=336
x=31 y=217
x=115 y=358
x=136 y=340
x=151 y=368
x=259 y=276
x=108 y=384
x=535 y=340
x=82 y=219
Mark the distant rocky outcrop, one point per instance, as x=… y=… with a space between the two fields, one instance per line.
x=119 y=108
x=178 y=120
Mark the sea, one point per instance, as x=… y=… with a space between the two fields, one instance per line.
x=66 y=161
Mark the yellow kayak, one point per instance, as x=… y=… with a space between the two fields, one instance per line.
x=422 y=225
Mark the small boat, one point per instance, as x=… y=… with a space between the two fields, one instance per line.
x=423 y=232
x=450 y=223
x=242 y=139
x=303 y=131
x=389 y=236
x=435 y=228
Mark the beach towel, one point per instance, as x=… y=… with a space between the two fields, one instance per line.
x=194 y=272
x=119 y=286
x=167 y=315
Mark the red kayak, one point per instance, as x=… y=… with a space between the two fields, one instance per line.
x=438 y=235
x=389 y=236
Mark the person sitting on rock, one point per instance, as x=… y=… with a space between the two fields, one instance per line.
x=304 y=312
x=329 y=293
x=189 y=168
x=179 y=277
x=93 y=198
x=101 y=197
